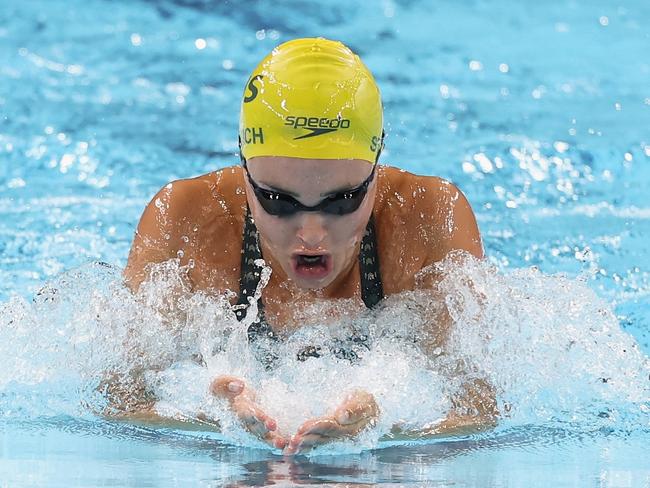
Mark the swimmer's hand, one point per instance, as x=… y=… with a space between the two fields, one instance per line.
x=358 y=411
x=242 y=401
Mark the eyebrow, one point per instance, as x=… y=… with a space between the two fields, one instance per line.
x=340 y=190
x=295 y=195
x=277 y=189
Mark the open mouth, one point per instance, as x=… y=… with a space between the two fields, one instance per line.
x=312 y=266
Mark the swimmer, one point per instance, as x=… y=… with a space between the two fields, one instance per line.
x=310 y=198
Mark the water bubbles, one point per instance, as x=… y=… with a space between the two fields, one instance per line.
x=475 y=65
x=583 y=255
x=227 y=64
x=67 y=160
x=16 y=183
x=200 y=43
x=178 y=89
x=484 y=162
x=524 y=332
x=538 y=92
x=603 y=20
x=562 y=27
x=468 y=167
x=136 y=39
x=560 y=146
x=389 y=9
x=260 y=35
x=500 y=191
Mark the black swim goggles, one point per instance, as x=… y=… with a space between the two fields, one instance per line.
x=283 y=205
x=339 y=203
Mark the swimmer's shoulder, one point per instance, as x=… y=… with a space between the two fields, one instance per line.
x=188 y=216
x=190 y=202
x=436 y=215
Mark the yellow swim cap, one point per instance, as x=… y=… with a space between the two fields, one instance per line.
x=311 y=98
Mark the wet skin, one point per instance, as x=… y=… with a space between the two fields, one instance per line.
x=418 y=219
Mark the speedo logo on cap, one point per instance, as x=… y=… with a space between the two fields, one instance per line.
x=316 y=125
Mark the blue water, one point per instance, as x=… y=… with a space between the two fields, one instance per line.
x=538 y=111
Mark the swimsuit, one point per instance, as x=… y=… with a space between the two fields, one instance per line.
x=371 y=291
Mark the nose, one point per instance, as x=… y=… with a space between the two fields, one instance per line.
x=311 y=229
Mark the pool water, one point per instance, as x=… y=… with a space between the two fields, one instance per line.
x=539 y=112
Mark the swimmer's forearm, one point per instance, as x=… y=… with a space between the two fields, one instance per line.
x=150 y=418
x=130 y=401
x=475 y=410
x=456 y=424
x=453 y=425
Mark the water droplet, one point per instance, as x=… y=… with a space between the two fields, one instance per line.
x=475 y=65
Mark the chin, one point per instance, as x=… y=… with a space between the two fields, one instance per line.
x=312 y=284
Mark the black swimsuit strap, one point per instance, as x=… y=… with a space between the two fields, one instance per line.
x=372 y=290
x=249 y=279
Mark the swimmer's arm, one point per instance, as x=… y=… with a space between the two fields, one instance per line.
x=130 y=401
x=474 y=410
x=151 y=418
x=158 y=235
x=443 y=221
x=454 y=222
x=138 y=407
x=457 y=219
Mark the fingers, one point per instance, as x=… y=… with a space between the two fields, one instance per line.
x=276 y=440
x=357 y=412
x=314 y=433
x=360 y=406
x=227 y=386
x=251 y=416
x=325 y=426
x=304 y=443
x=254 y=419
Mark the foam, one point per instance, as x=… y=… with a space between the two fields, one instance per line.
x=553 y=351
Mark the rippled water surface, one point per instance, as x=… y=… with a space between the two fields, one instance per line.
x=540 y=112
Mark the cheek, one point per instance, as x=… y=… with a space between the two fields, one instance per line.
x=276 y=232
x=347 y=231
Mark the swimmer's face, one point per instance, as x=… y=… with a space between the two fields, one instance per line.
x=313 y=248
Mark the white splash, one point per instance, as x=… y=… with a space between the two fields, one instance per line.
x=552 y=349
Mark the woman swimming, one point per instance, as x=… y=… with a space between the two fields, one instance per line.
x=322 y=214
